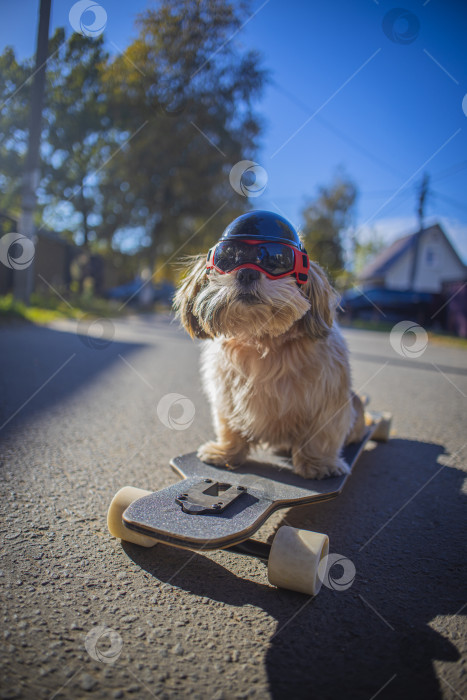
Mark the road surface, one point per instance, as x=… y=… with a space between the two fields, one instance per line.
x=87 y=617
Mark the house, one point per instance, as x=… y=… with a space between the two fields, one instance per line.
x=419 y=277
x=424 y=261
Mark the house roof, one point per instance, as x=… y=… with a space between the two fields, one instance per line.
x=384 y=260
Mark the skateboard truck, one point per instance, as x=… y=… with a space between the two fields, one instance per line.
x=209 y=497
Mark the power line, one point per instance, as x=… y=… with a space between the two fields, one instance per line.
x=453 y=170
x=305 y=108
x=405 y=193
x=449 y=200
x=450 y=171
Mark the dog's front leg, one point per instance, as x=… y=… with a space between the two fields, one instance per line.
x=229 y=450
x=317 y=459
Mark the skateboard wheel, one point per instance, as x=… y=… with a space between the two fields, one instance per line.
x=294 y=559
x=383 y=428
x=120 y=503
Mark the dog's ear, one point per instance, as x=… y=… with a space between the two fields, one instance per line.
x=186 y=294
x=318 y=321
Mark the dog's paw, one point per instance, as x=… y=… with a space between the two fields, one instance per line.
x=320 y=469
x=217 y=454
x=338 y=468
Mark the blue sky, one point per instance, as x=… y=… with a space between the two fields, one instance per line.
x=385 y=107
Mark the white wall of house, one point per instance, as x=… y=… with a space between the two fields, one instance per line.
x=398 y=275
x=437 y=263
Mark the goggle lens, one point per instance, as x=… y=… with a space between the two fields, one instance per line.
x=273 y=258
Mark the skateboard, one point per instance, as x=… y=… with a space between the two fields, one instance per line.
x=220 y=508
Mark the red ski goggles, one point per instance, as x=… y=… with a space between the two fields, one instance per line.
x=274 y=259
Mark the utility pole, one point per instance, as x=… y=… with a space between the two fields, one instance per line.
x=23 y=279
x=422 y=195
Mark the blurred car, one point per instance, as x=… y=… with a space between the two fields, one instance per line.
x=140 y=292
x=396 y=305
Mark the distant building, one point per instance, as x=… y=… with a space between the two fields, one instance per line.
x=424 y=261
x=419 y=277
x=53 y=262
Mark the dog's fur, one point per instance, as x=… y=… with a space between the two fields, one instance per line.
x=276 y=369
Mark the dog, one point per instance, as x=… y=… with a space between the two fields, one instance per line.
x=276 y=367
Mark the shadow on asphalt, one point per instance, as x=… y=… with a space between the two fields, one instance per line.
x=42 y=366
x=399 y=520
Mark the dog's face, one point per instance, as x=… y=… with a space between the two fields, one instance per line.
x=246 y=303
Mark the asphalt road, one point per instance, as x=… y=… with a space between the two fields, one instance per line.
x=79 y=419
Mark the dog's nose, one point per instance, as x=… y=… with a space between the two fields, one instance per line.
x=246 y=275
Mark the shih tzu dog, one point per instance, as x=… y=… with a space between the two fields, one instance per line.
x=276 y=370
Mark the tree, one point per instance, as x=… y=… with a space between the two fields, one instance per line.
x=326 y=224
x=366 y=250
x=14 y=100
x=81 y=136
x=183 y=93
x=137 y=148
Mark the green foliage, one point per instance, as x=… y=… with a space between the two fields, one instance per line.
x=365 y=251
x=80 y=136
x=47 y=308
x=137 y=147
x=14 y=95
x=327 y=220
x=190 y=119
x=15 y=91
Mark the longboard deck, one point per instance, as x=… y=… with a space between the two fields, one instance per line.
x=265 y=487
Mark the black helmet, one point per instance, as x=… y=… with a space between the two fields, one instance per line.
x=262 y=226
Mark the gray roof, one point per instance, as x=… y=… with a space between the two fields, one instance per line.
x=384 y=260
